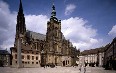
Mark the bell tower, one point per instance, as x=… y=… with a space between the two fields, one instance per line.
x=54 y=39
x=53 y=35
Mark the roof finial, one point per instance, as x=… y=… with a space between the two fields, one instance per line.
x=53 y=10
x=53 y=2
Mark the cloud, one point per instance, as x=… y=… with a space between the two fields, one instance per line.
x=37 y=23
x=112 y=32
x=76 y=29
x=80 y=33
x=69 y=9
x=7 y=20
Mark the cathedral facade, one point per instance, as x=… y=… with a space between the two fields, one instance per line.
x=32 y=49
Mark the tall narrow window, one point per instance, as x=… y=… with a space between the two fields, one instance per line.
x=36 y=58
x=57 y=33
x=23 y=62
x=15 y=56
x=32 y=57
x=36 y=46
x=28 y=57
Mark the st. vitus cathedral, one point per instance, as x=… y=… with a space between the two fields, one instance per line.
x=32 y=49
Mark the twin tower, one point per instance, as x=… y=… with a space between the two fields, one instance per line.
x=32 y=49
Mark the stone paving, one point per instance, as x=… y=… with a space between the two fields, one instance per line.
x=55 y=70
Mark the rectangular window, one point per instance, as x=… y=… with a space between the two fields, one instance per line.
x=32 y=57
x=28 y=57
x=36 y=62
x=23 y=62
x=22 y=56
x=32 y=62
x=36 y=58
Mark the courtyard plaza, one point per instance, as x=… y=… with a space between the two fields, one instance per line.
x=57 y=69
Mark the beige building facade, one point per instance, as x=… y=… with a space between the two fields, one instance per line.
x=92 y=57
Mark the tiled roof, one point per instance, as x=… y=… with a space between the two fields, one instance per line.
x=38 y=36
x=92 y=51
x=4 y=52
x=35 y=35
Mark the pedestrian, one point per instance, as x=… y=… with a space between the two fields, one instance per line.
x=80 y=68
x=46 y=66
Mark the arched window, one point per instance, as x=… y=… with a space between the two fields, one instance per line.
x=15 y=56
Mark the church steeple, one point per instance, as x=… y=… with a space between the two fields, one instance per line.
x=20 y=7
x=53 y=14
x=20 y=27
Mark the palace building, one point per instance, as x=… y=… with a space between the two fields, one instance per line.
x=92 y=57
x=32 y=49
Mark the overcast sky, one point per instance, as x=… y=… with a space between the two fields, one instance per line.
x=86 y=23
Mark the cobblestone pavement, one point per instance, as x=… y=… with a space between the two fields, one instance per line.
x=54 y=70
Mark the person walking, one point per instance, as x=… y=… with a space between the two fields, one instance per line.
x=80 y=68
x=84 y=69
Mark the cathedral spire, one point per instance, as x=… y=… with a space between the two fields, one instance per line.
x=20 y=27
x=53 y=14
x=20 y=7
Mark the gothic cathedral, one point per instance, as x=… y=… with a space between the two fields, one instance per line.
x=32 y=49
